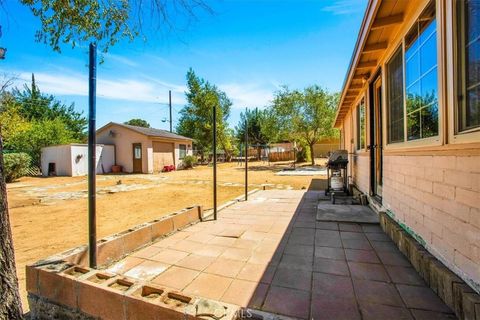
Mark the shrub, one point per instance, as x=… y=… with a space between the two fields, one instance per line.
x=15 y=165
x=189 y=162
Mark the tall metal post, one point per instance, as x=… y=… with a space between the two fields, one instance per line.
x=246 y=155
x=92 y=223
x=170 y=105
x=214 y=162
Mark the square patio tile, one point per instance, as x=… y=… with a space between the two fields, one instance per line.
x=357 y=244
x=333 y=286
x=263 y=258
x=354 y=227
x=225 y=267
x=324 y=241
x=299 y=250
x=349 y=235
x=429 y=315
x=257 y=273
x=297 y=262
x=209 y=286
x=305 y=239
x=368 y=271
x=147 y=253
x=337 y=267
x=326 y=225
x=385 y=246
x=393 y=258
x=124 y=265
x=211 y=250
x=292 y=278
x=377 y=292
x=367 y=256
x=330 y=253
x=328 y=308
x=405 y=275
x=288 y=302
x=380 y=312
x=176 y=277
x=327 y=234
x=223 y=241
x=422 y=298
x=372 y=228
x=378 y=237
x=245 y=244
x=246 y=293
x=186 y=246
x=195 y=262
x=237 y=254
x=147 y=270
x=200 y=237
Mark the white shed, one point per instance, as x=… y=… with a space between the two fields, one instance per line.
x=72 y=159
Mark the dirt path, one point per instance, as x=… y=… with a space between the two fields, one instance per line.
x=49 y=215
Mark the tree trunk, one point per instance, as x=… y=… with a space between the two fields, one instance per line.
x=10 y=303
x=312 y=156
x=259 y=153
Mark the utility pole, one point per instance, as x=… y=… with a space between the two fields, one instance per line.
x=170 y=105
x=92 y=91
x=246 y=155
x=214 y=162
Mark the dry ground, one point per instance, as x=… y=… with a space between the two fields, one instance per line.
x=49 y=215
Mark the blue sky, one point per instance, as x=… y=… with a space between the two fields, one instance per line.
x=247 y=48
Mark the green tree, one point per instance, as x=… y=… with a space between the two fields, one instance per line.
x=256 y=121
x=305 y=116
x=33 y=105
x=196 y=118
x=138 y=123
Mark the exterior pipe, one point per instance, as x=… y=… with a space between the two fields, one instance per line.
x=92 y=223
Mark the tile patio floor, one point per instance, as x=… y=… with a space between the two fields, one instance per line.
x=270 y=254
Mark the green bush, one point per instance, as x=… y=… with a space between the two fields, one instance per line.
x=189 y=162
x=15 y=165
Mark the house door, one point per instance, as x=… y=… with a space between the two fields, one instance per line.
x=137 y=158
x=376 y=142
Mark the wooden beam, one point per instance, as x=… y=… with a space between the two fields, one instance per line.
x=375 y=47
x=387 y=21
x=367 y=64
x=360 y=76
x=355 y=86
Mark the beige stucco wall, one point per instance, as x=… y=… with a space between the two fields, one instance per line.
x=123 y=139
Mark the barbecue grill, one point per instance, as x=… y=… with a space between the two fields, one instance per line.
x=337 y=174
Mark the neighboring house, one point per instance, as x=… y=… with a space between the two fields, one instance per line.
x=72 y=160
x=281 y=147
x=323 y=147
x=144 y=150
x=409 y=116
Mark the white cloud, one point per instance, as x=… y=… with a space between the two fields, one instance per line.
x=247 y=95
x=341 y=7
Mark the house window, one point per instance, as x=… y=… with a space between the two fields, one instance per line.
x=421 y=77
x=361 y=125
x=182 y=151
x=469 y=64
x=395 y=112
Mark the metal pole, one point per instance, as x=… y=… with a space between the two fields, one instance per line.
x=170 y=105
x=246 y=155
x=92 y=224
x=214 y=162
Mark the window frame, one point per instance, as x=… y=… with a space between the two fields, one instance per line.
x=437 y=140
x=387 y=95
x=358 y=146
x=180 y=151
x=455 y=135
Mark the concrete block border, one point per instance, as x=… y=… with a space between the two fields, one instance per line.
x=456 y=294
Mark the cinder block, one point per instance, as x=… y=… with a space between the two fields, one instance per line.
x=31 y=274
x=446 y=281
x=180 y=220
x=161 y=228
x=425 y=264
x=56 y=288
x=459 y=290
x=110 y=250
x=470 y=301
x=436 y=270
x=100 y=301
x=137 y=238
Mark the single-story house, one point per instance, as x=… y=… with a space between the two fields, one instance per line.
x=324 y=146
x=409 y=115
x=144 y=150
x=72 y=159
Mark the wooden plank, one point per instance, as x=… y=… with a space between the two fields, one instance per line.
x=356 y=86
x=387 y=21
x=361 y=76
x=367 y=64
x=375 y=47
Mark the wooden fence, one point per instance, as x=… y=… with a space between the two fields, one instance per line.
x=281 y=156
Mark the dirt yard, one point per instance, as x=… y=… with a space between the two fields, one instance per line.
x=49 y=215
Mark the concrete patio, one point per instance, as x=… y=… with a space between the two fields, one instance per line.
x=271 y=254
